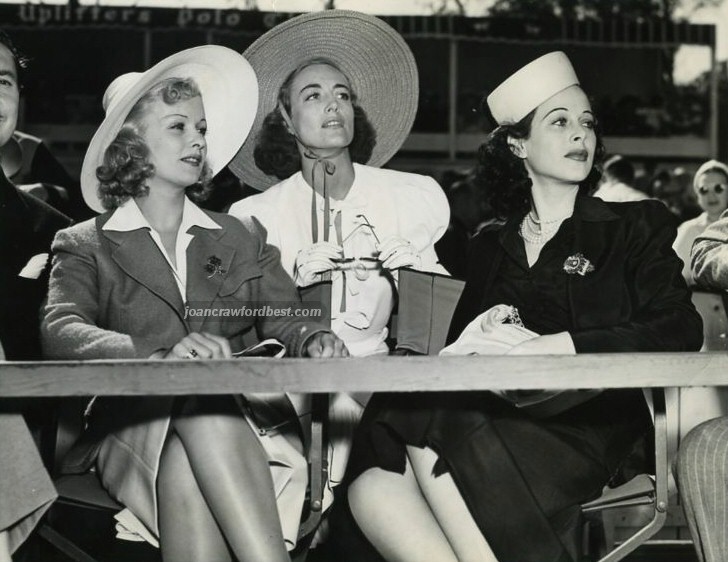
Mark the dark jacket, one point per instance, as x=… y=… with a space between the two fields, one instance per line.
x=27 y=228
x=635 y=299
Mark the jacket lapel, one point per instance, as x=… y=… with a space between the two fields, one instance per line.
x=140 y=258
x=209 y=260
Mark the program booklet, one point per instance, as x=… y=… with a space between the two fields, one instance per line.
x=267 y=348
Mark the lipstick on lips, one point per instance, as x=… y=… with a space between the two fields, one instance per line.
x=580 y=155
x=194 y=159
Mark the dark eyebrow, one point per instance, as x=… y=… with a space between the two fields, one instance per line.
x=10 y=73
x=554 y=109
x=307 y=86
x=315 y=85
x=589 y=111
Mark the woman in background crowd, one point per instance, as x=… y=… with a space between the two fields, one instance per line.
x=710 y=184
x=702 y=464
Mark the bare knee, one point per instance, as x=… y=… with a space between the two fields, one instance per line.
x=366 y=492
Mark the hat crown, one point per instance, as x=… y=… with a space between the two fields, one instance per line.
x=118 y=87
x=530 y=86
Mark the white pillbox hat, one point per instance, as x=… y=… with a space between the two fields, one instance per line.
x=529 y=87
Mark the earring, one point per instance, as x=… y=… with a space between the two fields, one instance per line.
x=516 y=148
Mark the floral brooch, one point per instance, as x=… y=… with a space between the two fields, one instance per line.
x=214 y=267
x=578 y=265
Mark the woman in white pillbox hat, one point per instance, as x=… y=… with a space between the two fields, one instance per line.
x=156 y=277
x=511 y=469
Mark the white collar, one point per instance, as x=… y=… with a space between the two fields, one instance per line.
x=128 y=217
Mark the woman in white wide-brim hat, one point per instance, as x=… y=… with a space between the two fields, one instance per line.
x=339 y=94
x=479 y=476
x=157 y=277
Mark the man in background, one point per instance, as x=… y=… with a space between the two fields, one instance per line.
x=618 y=182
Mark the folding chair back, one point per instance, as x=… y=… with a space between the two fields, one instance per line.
x=642 y=490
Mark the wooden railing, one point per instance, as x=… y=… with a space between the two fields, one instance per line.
x=619 y=370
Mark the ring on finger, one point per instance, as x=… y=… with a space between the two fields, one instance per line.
x=191 y=354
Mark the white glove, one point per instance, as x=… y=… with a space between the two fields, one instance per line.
x=314 y=260
x=396 y=252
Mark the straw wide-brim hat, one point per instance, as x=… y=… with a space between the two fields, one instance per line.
x=229 y=92
x=374 y=57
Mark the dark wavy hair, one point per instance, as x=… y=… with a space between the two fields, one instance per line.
x=502 y=176
x=21 y=61
x=276 y=151
x=126 y=166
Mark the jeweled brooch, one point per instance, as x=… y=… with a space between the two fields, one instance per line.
x=578 y=265
x=214 y=267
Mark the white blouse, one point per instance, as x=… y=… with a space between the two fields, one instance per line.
x=380 y=203
x=128 y=216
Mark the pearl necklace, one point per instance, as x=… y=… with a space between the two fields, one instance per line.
x=534 y=231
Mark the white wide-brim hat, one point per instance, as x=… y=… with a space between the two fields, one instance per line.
x=374 y=57
x=527 y=88
x=229 y=92
x=709 y=166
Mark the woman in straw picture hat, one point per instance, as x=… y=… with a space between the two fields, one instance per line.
x=194 y=472
x=480 y=477
x=338 y=97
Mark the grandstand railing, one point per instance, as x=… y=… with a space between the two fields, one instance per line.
x=405 y=374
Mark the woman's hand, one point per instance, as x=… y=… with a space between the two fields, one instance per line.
x=200 y=345
x=396 y=252
x=325 y=344
x=553 y=344
x=314 y=260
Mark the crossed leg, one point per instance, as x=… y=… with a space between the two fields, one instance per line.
x=226 y=473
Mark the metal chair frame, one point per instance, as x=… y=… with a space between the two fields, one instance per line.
x=655 y=493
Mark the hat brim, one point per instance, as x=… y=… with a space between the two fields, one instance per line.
x=229 y=90
x=375 y=58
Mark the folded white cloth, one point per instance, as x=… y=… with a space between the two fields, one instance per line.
x=491 y=333
x=495 y=332
x=130 y=528
x=34 y=267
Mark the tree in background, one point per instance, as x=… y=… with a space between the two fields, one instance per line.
x=549 y=9
x=593 y=9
